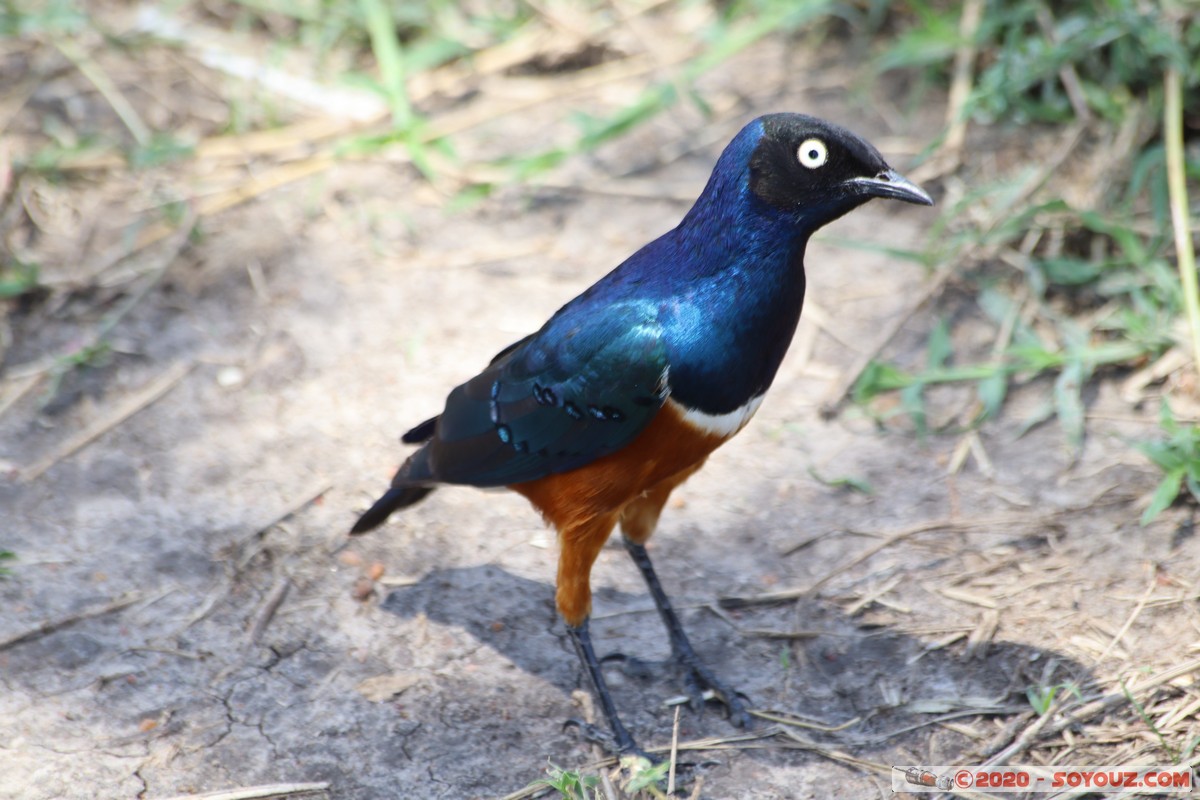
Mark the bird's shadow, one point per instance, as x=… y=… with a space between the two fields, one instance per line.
x=890 y=680
x=516 y=616
x=513 y=615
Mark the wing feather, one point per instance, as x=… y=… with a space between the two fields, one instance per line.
x=555 y=401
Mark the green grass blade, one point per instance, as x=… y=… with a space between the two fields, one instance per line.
x=1068 y=403
x=1164 y=495
x=386 y=47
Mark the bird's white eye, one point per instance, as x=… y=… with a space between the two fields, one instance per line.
x=813 y=153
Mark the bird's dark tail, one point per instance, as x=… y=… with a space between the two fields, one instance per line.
x=394 y=499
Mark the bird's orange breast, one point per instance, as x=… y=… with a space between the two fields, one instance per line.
x=667 y=447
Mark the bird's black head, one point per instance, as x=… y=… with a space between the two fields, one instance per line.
x=821 y=170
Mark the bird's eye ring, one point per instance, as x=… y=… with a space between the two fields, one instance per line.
x=813 y=153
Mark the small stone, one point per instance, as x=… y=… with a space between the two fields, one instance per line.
x=228 y=377
x=364 y=587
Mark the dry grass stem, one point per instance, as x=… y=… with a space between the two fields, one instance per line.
x=674 y=753
x=840 y=391
x=984 y=633
x=178 y=238
x=306 y=499
x=136 y=402
x=1067 y=74
x=108 y=90
x=1185 y=253
x=784 y=719
x=1141 y=605
x=53 y=626
x=270 y=605
x=267 y=792
x=760 y=633
x=873 y=596
x=22 y=385
x=964 y=596
x=950 y=155
x=784 y=595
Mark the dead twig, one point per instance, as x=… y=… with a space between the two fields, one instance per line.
x=874 y=595
x=722 y=742
x=1005 y=735
x=811 y=540
x=765 y=633
x=306 y=500
x=1095 y=707
x=674 y=754
x=255 y=185
x=873 y=767
x=210 y=47
x=964 y=596
x=584 y=700
x=1067 y=74
x=270 y=605
x=1024 y=741
x=265 y=792
x=960 y=86
x=841 y=390
x=1137 y=610
x=795 y=594
x=984 y=633
x=52 y=626
x=797 y=741
x=940 y=719
x=797 y=723
x=986 y=523
x=535 y=789
x=949 y=155
x=108 y=90
x=15 y=100
x=149 y=394
x=23 y=385
x=178 y=239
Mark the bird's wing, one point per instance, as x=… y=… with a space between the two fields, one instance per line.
x=424 y=432
x=577 y=390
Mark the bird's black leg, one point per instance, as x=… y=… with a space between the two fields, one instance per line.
x=697 y=676
x=622 y=742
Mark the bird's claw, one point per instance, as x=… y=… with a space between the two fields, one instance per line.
x=594 y=734
x=697 y=679
x=591 y=733
x=636 y=668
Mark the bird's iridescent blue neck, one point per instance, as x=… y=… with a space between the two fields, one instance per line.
x=729 y=225
x=733 y=251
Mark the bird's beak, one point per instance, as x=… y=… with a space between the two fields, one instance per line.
x=890 y=183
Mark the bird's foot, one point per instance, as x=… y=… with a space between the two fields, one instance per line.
x=699 y=679
x=632 y=666
x=699 y=682
x=619 y=746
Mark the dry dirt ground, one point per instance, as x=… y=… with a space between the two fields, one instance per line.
x=185 y=613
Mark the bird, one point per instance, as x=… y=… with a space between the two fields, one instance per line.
x=627 y=389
